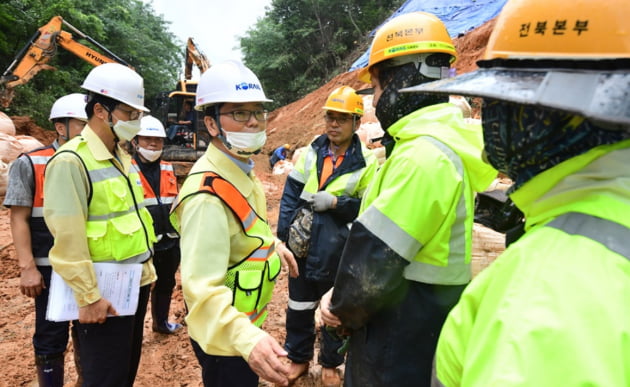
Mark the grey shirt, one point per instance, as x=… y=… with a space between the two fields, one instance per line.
x=21 y=184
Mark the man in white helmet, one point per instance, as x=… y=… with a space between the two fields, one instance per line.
x=229 y=264
x=95 y=211
x=32 y=240
x=160 y=190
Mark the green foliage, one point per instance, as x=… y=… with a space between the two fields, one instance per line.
x=128 y=28
x=301 y=44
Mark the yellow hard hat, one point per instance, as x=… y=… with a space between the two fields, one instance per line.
x=566 y=55
x=287 y=146
x=344 y=99
x=410 y=33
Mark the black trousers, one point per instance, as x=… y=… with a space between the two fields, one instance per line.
x=110 y=352
x=397 y=345
x=50 y=338
x=224 y=371
x=304 y=296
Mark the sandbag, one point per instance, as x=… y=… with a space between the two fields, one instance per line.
x=4 y=177
x=29 y=143
x=10 y=148
x=6 y=125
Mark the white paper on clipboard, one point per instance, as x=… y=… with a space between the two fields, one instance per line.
x=118 y=283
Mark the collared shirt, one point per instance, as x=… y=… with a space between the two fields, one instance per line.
x=212 y=240
x=67 y=189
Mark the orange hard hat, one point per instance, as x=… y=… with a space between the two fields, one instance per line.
x=566 y=55
x=345 y=99
x=410 y=33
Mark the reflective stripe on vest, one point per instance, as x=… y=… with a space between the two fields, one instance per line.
x=119 y=228
x=345 y=184
x=253 y=278
x=168 y=186
x=408 y=247
x=41 y=238
x=610 y=234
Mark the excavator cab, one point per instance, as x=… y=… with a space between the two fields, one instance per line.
x=186 y=135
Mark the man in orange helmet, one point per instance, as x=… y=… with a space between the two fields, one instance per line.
x=407 y=258
x=328 y=181
x=553 y=309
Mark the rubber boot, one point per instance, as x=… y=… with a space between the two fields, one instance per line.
x=160 y=305
x=49 y=370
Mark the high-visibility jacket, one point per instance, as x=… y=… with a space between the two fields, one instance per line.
x=252 y=279
x=118 y=227
x=41 y=238
x=159 y=204
x=329 y=229
x=552 y=310
x=418 y=208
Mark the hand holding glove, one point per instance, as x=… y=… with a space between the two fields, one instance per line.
x=323 y=201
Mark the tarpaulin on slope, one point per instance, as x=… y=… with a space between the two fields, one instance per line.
x=459 y=16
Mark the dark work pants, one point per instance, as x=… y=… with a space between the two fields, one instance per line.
x=397 y=345
x=304 y=296
x=50 y=338
x=166 y=263
x=224 y=371
x=110 y=352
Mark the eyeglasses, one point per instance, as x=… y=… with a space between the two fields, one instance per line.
x=245 y=115
x=340 y=120
x=133 y=114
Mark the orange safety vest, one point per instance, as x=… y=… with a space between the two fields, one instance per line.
x=41 y=238
x=159 y=206
x=168 y=186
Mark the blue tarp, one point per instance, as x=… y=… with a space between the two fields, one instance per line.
x=459 y=16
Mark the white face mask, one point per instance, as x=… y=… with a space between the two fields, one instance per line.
x=244 y=143
x=126 y=130
x=150 y=155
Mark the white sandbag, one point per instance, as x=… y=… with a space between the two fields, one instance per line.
x=29 y=143
x=282 y=167
x=10 y=148
x=6 y=125
x=4 y=177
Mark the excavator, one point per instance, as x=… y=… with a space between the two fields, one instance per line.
x=42 y=47
x=185 y=143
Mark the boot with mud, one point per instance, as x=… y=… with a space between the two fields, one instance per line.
x=49 y=370
x=160 y=305
x=296 y=370
x=330 y=377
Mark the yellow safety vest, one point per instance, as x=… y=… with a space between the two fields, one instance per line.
x=252 y=279
x=118 y=227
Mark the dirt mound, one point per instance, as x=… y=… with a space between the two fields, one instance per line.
x=169 y=360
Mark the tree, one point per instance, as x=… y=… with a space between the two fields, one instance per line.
x=301 y=44
x=128 y=28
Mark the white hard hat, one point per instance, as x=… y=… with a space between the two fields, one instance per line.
x=151 y=127
x=229 y=81
x=69 y=106
x=117 y=82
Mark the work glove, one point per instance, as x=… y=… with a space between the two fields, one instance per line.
x=322 y=201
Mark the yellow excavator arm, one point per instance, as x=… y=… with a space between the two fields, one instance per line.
x=194 y=55
x=35 y=55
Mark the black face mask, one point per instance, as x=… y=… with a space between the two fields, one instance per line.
x=523 y=141
x=392 y=104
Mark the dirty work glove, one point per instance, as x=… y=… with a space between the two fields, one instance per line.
x=323 y=201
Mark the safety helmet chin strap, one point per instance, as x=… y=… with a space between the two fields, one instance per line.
x=221 y=136
x=66 y=125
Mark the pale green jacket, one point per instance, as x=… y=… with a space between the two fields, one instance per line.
x=553 y=310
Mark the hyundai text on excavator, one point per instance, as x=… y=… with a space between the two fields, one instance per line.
x=185 y=142
x=40 y=49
